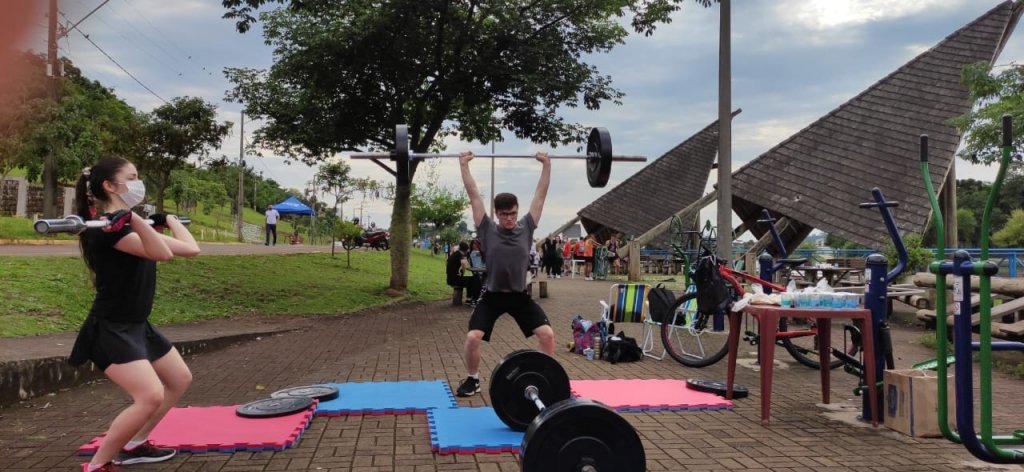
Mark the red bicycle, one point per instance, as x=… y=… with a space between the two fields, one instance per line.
x=697 y=339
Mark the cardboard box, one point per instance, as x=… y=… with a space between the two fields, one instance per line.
x=911 y=402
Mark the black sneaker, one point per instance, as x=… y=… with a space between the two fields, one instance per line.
x=468 y=388
x=144 y=453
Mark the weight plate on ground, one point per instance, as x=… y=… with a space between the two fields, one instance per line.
x=599 y=157
x=401 y=155
x=517 y=371
x=272 y=407
x=316 y=392
x=716 y=387
x=575 y=433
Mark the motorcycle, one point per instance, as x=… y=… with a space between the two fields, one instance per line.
x=379 y=240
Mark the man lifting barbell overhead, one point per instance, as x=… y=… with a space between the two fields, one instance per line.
x=506 y=245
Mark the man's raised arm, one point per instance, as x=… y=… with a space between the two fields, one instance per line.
x=475 y=202
x=537 y=205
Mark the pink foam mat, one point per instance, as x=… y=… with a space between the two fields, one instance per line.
x=648 y=395
x=218 y=428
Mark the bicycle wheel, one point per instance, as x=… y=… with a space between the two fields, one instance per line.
x=694 y=339
x=803 y=344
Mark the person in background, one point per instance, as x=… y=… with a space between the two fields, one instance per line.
x=271 y=218
x=613 y=255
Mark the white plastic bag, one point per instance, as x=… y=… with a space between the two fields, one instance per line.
x=823 y=287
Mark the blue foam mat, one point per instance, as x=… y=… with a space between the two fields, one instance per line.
x=471 y=430
x=387 y=398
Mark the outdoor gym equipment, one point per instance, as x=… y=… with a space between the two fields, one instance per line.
x=985 y=446
x=75 y=224
x=876 y=300
x=530 y=391
x=599 y=156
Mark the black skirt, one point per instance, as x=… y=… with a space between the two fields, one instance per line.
x=106 y=342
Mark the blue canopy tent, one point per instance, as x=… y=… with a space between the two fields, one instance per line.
x=293 y=206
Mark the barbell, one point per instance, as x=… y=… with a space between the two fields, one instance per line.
x=530 y=391
x=75 y=224
x=599 y=155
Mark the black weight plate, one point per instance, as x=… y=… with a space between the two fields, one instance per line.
x=401 y=155
x=578 y=432
x=517 y=371
x=316 y=392
x=599 y=157
x=716 y=387
x=272 y=407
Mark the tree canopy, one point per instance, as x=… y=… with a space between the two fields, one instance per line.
x=346 y=72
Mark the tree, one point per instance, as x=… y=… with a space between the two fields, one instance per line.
x=24 y=103
x=442 y=207
x=996 y=95
x=349 y=234
x=333 y=178
x=1011 y=235
x=346 y=72
x=87 y=123
x=966 y=226
x=183 y=128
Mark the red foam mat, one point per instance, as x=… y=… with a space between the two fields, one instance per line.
x=648 y=395
x=218 y=428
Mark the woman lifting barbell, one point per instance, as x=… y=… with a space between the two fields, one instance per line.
x=117 y=336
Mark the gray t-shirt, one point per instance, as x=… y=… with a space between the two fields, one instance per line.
x=507 y=253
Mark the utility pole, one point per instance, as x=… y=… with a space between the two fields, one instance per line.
x=255 y=186
x=50 y=164
x=725 y=133
x=241 y=175
x=493 y=193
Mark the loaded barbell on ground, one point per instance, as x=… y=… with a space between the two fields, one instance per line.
x=75 y=224
x=599 y=155
x=530 y=391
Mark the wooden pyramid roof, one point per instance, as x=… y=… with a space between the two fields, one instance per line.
x=819 y=175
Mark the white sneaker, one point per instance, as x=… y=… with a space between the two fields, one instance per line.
x=589 y=278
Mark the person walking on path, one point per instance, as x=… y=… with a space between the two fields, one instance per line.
x=507 y=251
x=272 y=217
x=117 y=336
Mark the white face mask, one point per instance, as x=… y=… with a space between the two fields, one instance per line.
x=135 y=194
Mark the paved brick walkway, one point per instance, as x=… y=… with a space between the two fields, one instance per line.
x=424 y=341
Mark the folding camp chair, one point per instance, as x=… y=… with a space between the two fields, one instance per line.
x=627 y=303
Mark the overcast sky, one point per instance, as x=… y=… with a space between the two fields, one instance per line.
x=793 y=61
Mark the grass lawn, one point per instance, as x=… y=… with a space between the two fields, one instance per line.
x=51 y=294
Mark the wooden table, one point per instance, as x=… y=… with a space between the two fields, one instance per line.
x=768 y=325
x=832 y=274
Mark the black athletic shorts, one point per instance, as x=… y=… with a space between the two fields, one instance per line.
x=527 y=313
x=107 y=342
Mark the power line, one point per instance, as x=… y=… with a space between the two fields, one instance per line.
x=117 y=64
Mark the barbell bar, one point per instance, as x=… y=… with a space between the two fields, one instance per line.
x=530 y=391
x=599 y=155
x=75 y=224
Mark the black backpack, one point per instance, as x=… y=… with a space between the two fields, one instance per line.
x=622 y=348
x=712 y=291
x=660 y=301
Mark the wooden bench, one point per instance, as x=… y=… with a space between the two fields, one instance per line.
x=928 y=316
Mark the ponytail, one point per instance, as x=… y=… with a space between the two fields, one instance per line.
x=88 y=193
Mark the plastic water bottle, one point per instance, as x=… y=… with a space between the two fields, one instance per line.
x=589 y=352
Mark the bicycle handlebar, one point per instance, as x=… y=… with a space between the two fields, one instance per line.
x=894 y=234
